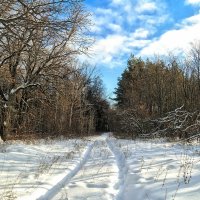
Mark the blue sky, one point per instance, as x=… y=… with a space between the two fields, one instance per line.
x=140 y=27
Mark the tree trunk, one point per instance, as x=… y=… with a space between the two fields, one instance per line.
x=71 y=115
x=5 y=123
x=7 y=117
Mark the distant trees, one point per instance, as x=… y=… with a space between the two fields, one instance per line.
x=194 y=69
x=97 y=99
x=153 y=88
x=42 y=86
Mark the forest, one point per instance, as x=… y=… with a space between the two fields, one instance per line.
x=45 y=90
x=160 y=97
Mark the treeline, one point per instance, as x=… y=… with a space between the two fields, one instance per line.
x=43 y=88
x=148 y=90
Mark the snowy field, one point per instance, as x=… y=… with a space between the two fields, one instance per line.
x=99 y=168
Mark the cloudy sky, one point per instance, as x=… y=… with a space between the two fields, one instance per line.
x=140 y=27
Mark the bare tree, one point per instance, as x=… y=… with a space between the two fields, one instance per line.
x=37 y=38
x=193 y=62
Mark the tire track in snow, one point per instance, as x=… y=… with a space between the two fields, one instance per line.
x=98 y=177
x=52 y=192
x=122 y=168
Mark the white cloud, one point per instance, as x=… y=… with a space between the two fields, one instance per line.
x=106 y=48
x=193 y=2
x=115 y=27
x=145 y=6
x=141 y=33
x=139 y=43
x=129 y=12
x=132 y=10
x=176 y=40
x=152 y=20
x=119 y=2
x=111 y=49
x=195 y=19
x=123 y=27
x=103 y=20
x=110 y=44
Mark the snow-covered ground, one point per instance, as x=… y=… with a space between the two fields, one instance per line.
x=99 y=167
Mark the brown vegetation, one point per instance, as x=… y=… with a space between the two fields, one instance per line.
x=148 y=91
x=43 y=88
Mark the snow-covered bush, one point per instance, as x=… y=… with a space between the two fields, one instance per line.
x=179 y=124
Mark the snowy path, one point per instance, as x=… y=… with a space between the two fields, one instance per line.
x=58 y=186
x=99 y=173
x=122 y=168
x=66 y=166
x=98 y=178
x=99 y=168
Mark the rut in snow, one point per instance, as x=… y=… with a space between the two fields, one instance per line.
x=97 y=179
x=56 y=188
x=101 y=172
x=122 y=167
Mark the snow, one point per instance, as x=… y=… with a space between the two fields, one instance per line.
x=51 y=192
x=122 y=168
x=99 y=168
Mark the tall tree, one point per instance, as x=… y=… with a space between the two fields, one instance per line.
x=194 y=62
x=36 y=38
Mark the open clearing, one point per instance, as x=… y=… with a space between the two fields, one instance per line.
x=99 y=167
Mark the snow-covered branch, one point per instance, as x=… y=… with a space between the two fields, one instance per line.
x=179 y=123
x=24 y=86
